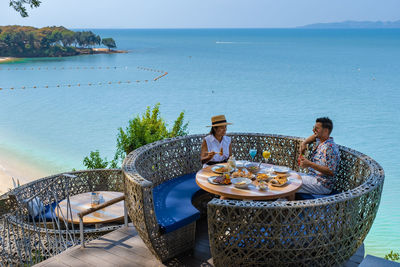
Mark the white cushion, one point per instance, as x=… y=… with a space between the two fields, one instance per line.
x=35 y=207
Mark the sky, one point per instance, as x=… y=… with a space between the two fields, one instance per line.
x=199 y=13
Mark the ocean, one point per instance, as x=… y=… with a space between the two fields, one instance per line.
x=263 y=80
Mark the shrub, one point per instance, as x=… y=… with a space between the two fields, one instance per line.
x=141 y=130
x=392 y=256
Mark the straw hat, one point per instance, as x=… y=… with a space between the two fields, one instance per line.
x=218 y=120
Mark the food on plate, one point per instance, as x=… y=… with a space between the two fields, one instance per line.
x=242 y=173
x=223 y=179
x=221 y=169
x=262 y=185
x=281 y=179
x=241 y=182
x=262 y=176
x=253 y=169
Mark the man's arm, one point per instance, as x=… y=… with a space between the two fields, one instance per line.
x=305 y=163
x=308 y=140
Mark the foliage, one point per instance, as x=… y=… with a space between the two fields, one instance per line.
x=23 y=41
x=392 y=256
x=141 y=130
x=109 y=42
x=19 y=6
x=94 y=161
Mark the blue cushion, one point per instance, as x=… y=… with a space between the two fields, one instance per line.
x=48 y=214
x=173 y=202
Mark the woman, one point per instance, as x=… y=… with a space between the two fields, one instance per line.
x=216 y=147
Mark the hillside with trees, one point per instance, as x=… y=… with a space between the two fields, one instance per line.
x=25 y=41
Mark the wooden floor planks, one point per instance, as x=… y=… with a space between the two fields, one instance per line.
x=124 y=247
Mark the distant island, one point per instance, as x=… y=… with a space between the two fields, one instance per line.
x=355 y=25
x=25 y=41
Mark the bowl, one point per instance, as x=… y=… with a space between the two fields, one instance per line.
x=252 y=167
x=241 y=182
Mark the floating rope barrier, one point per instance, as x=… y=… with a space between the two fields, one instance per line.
x=75 y=85
x=65 y=68
x=93 y=84
x=148 y=69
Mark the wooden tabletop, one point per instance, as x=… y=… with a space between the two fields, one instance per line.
x=82 y=202
x=252 y=192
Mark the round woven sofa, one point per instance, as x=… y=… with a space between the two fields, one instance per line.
x=23 y=235
x=317 y=232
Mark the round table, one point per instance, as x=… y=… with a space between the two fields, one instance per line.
x=251 y=193
x=83 y=201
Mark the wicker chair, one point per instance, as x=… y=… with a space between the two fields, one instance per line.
x=324 y=231
x=144 y=169
x=23 y=237
x=319 y=232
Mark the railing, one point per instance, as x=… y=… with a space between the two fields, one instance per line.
x=33 y=227
x=99 y=207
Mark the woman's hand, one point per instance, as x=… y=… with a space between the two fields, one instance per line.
x=211 y=154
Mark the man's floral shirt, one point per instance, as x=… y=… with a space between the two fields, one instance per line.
x=325 y=154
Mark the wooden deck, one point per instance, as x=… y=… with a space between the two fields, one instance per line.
x=124 y=247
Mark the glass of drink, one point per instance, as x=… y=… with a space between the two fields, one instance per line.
x=253 y=153
x=266 y=154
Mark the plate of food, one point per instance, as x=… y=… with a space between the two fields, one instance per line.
x=240 y=164
x=279 y=181
x=219 y=180
x=262 y=176
x=281 y=169
x=219 y=169
x=252 y=167
x=242 y=173
x=241 y=182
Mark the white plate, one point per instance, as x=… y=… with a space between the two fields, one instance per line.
x=278 y=184
x=214 y=168
x=281 y=169
x=240 y=163
x=235 y=182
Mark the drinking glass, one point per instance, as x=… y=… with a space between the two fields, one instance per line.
x=253 y=153
x=266 y=154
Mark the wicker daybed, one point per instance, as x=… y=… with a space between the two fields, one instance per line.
x=324 y=232
x=24 y=235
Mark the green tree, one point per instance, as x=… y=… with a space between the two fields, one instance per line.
x=94 y=161
x=109 y=42
x=141 y=130
x=19 y=6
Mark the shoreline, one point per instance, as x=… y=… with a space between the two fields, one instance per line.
x=12 y=166
x=9 y=59
x=82 y=51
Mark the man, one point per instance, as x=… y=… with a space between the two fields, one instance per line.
x=324 y=159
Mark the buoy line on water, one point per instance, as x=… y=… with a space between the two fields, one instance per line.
x=74 y=85
x=77 y=68
x=92 y=84
x=64 y=68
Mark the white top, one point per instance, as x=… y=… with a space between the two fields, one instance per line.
x=214 y=145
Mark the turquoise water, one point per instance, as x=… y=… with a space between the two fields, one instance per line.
x=272 y=81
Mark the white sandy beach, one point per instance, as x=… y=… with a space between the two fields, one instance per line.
x=12 y=166
x=6 y=59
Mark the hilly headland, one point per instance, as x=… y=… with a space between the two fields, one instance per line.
x=25 y=41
